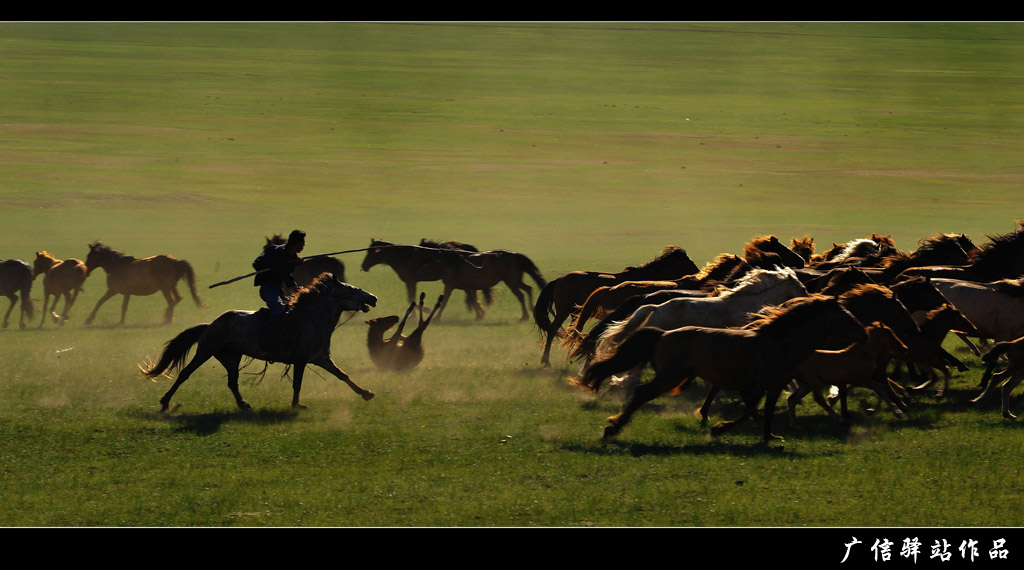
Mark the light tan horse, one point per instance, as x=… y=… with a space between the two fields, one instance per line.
x=60 y=279
x=127 y=275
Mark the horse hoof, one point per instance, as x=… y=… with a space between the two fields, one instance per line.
x=367 y=396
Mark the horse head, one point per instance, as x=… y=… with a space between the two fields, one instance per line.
x=98 y=255
x=349 y=297
x=373 y=253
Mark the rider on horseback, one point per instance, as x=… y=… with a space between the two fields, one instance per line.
x=274 y=275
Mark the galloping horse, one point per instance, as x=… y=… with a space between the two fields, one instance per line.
x=457 y=269
x=1002 y=257
x=313 y=317
x=16 y=277
x=756 y=362
x=398 y=352
x=61 y=278
x=756 y=249
x=861 y=364
x=127 y=275
x=733 y=307
x=311 y=267
x=559 y=298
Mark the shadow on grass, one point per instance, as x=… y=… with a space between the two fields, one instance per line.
x=210 y=422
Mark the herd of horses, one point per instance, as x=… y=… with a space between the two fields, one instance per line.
x=782 y=317
x=776 y=317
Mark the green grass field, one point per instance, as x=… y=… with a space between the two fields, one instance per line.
x=581 y=145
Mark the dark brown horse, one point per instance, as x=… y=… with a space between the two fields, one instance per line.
x=398 y=352
x=1002 y=257
x=313 y=317
x=127 y=276
x=560 y=297
x=15 y=278
x=756 y=362
x=756 y=250
x=414 y=264
x=471 y=300
x=311 y=267
x=61 y=279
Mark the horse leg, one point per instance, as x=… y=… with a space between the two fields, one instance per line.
x=643 y=394
x=230 y=362
x=46 y=304
x=124 y=306
x=328 y=364
x=703 y=411
x=69 y=299
x=200 y=357
x=1007 y=388
x=819 y=397
x=297 y=372
x=7 y=315
x=444 y=303
x=556 y=323
x=771 y=397
x=514 y=287
x=173 y=297
x=99 y=303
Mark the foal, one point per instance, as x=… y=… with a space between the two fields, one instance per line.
x=1013 y=373
x=398 y=352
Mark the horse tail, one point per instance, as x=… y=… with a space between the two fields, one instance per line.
x=176 y=351
x=531 y=269
x=638 y=349
x=190 y=276
x=587 y=310
x=619 y=331
x=27 y=304
x=544 y=309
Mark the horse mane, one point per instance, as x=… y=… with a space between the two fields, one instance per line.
x=787 y=314
x=864 y=291
x=425 y=242
x=97 y=246
x=666 y=257
x=759 y=280
x=719 y=267
x=1000 y=251
x=1011 y=287
x=854 y=248
x=305 y=295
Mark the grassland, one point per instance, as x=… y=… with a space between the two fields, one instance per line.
x=584 y=146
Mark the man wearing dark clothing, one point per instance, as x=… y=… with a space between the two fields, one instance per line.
x=275 y=266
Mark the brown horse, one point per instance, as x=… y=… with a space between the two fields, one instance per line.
x=758 y=248
x=862 y=365
x=560 y=298
x=1002 y=257
x=1009 y=377
x=415 y=264
x=16 y=277
x=756 y=362
x=61 y=279
x=127 y=275
x=926 y=350
x=457 y=269
x=398 y=352
x=311 y=267
x=471 y=300
x=313 y=317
